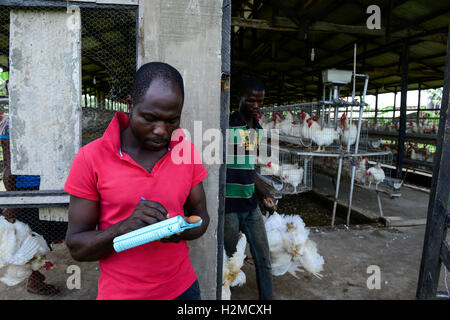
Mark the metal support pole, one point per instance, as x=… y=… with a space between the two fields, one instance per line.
x=352 y=181
x=404 y=93
x=352 y=184
x=336 y=194
x=358 y=133
x=336 y=109
x=379 y=203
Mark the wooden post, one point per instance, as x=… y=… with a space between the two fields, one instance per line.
x=404 y=93
x=435 y=249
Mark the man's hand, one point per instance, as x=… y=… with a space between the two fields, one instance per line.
x=270 y=203
x=179 y=236
x=146 y=213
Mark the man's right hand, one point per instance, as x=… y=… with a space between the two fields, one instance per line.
x=146 y=213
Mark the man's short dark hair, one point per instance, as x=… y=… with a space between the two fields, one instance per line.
x=252 y=83
x=151 y=71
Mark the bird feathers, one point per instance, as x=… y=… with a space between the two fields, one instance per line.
x=232 y=275
x=290 y=249
x=21 y=251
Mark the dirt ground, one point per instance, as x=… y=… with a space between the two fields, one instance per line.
x=347 y=251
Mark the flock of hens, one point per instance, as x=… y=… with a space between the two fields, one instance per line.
x=413 y=151
x=291 y=251
x=308 y=128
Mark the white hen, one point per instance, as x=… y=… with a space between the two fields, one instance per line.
x=290 y=248
x=349 y=131
x=292 y=174
x=305 y=127
x=232 y=275
x=289 y=173
x=375 y=175
x=361 y=168
x=267 y=122
x=21 y=251
x=324 y=137
x=285 y=125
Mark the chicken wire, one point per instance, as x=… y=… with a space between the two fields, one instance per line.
x=108 y=53
x=291 y=174
x=366 y=164
x=317 y=127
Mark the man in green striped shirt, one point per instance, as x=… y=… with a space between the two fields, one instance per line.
x=242 y=213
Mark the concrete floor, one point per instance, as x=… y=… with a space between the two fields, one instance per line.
x=347 y=251
x=394 y=243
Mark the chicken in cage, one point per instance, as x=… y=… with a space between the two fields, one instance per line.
x=372 y=170
x=289 y=173
x=315 y=127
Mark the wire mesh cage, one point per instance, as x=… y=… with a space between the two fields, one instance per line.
x=316 y=127
x=372 y=170
x=289 y=173
x=108 y=51
x=108 y=63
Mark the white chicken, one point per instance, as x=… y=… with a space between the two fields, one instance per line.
x=285 y=125
x=360 y=172
x=232 y=275
x=305 y=130
x=292 y=174
x=267 y=122
x=428 y=127
x=375 y=175
x=21 y=251
x=296 y=129
x=412 y=127
x=289 y=173
x=290 y=248
x=349 y=131
x=418 y=155
x=324 y=137
x=271 y=168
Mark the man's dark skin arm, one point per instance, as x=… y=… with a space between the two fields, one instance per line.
x=85 y=243
x=9 y=180
x=262 y=192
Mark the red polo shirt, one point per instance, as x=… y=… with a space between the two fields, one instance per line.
x=101 y=172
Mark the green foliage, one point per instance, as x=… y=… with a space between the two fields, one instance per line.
x=436 y=96
x=3 y=77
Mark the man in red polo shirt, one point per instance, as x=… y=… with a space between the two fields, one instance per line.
x=139 y=157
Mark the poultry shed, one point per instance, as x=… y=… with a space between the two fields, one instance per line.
x=330 y=132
